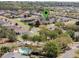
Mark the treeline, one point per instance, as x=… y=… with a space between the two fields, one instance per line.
x=18 y=5
x=33 y=5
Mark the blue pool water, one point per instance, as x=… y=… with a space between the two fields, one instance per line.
x=25 y=50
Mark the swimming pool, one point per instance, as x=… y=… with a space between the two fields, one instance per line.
x=25 y=50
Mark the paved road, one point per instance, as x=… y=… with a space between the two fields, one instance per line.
x=70 y=53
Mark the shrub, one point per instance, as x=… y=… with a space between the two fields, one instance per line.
x=36 y=38
x=48 y=33
x=64 y=40
x=59 y=24
x=4 y=49
x=25 y=37
x=77 y=23
x=52 y=34
x=59 y=31
x=37 y=23
x=52 y=49
x=7 y=33
x=71 y=33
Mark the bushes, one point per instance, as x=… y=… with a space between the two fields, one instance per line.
x=48 y=33
x=43 y=31
x=64 y=40
x=71 y=33
x=36 y=38
x=4 y=49
x=25 y=37
x=77 y=23
x=59 y=31
x=43 y=38
x=52 y=49
x=37 y=23
x=66 y=37
x=7 y=33
x=59 y=24
x=52 y=34
x=39 y=38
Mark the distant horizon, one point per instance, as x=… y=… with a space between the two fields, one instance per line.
x=45 y=0
x=41 y=3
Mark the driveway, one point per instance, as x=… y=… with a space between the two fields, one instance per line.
x=14 y=55
x=70 y=53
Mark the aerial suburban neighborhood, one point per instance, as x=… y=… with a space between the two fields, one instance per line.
x=39 y=29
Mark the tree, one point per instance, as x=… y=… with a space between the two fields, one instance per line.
x=25 y=16
x=16 y=24
x=4 y=49
x=10 y=34
x=37 y=23
x=36 y=38
x=52 y=49
x=43 y=38
x=59 y=31
x=52 y=34
x=25 y=37
x=77 y=23
x=71 y=33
